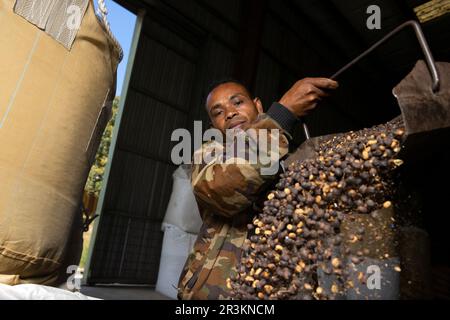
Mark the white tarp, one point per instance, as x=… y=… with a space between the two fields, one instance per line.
x=38 y=292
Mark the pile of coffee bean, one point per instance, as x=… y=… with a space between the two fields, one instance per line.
x=297 y=234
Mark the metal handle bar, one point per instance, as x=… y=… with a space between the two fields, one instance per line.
x=423 y=44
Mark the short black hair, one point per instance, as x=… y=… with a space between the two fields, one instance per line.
x=214 y=84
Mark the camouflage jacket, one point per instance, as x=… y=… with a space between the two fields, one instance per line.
x=226 y=195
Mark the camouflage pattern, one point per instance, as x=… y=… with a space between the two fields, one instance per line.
x=227 y=195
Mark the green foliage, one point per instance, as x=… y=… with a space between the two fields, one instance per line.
x=95 y=179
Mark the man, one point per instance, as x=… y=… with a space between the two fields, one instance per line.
x=228 y=194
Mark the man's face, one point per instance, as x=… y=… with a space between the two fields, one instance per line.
x=229 y=106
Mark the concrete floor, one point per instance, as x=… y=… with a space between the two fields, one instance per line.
x=115 y=292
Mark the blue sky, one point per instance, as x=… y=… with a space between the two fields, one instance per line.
x=122 y=24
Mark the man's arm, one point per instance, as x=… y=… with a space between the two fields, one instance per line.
x=229 y=188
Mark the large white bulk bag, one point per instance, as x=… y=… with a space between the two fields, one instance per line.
x=182 y=210
x=177 y=244
x=181 y=224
